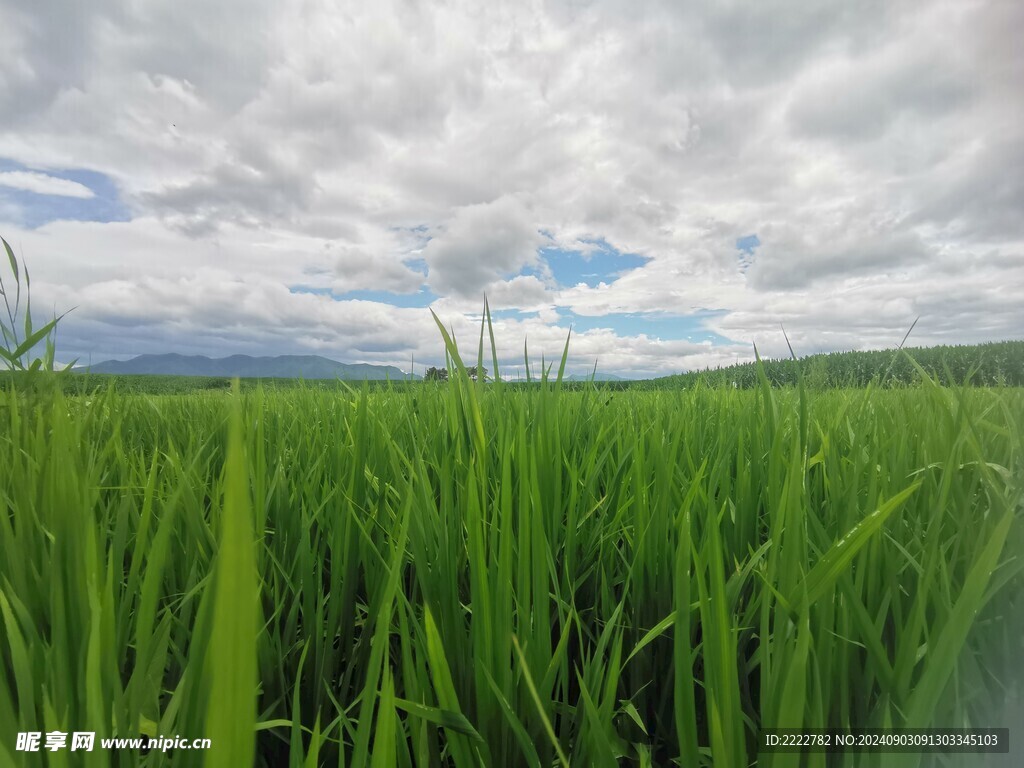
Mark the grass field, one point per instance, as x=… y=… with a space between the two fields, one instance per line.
x=999 y=364
x=472 y=574
x=996 y=364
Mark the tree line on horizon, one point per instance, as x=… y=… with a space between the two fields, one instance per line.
x=441 y=374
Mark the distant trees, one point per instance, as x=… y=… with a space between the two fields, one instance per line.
x=436 y=374
x=441 y=374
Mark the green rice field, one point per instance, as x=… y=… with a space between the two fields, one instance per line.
x=472 y=574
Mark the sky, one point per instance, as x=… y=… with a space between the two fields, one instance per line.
x=674 y=182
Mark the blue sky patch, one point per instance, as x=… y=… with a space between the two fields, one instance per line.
x=417 y=265
x=33 y=209
x=690 y=327
x=746 y=247
x=423 y=298
x=604 y=265
x=512 y=314
x=748 y=244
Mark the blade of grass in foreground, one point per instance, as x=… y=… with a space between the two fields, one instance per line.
x=540 y=707
x=685 y=709
x=379 y=646
x=942 y=659
x=833 y=563
x=445 y=689
x=384 y=741
x=721 y=682
x=529 y=751
x=231 y=656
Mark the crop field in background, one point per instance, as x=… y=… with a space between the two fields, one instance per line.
x=473 y=574
x=996 y=364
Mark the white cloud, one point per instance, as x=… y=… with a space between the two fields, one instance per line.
x=480 y=244
x=877 y=150
x=42 y=184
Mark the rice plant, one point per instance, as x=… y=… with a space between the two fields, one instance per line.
x=18 y=336
x=469 y=573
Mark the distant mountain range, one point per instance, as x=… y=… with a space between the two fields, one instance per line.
x=246 y=367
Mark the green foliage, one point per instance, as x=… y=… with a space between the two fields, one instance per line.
x=998 y=364
x=230 y=660
x=992 y=365
x=18 y=335
x=436 y=374
x=464 y=575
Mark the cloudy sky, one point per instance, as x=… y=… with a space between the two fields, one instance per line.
x=673 y=181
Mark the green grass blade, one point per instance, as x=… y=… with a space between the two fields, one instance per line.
x=231 y=656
